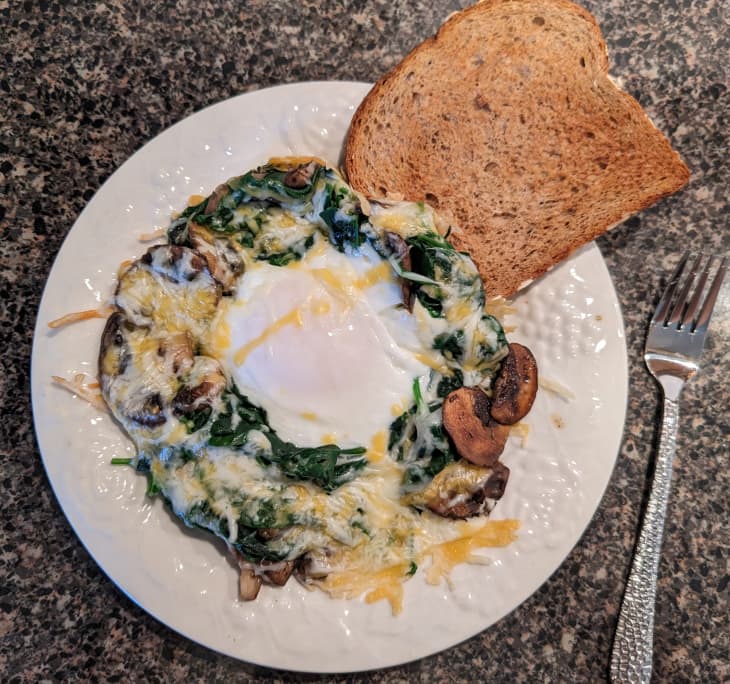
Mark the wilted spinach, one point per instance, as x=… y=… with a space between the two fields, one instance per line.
x=328 y=466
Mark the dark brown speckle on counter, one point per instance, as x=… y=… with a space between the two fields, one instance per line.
x=85 y=84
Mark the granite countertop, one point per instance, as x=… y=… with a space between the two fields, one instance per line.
x=84 y=85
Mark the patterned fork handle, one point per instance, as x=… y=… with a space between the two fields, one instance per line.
x=632 y=649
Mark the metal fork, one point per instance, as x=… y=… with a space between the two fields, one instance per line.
x=674 y=345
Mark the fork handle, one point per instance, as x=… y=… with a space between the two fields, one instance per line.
x=631 y=657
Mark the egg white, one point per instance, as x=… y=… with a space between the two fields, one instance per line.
x=323 y=344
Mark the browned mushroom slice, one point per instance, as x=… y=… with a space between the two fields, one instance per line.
x=204 y=385
x=476 y=435
x=169 y=288
x=277 y=573
x=148 y=412
x=515 y=387
x=462 y=490
x=129 y=393
x=214 y=200
x=402 y=253
x=249 y=582
x=176 y=263
x=177 y=349
x=313 y=565
x=268 y=533
x=301 y=176
x=113 y=353
x=223 y=260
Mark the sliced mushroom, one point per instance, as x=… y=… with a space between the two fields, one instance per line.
x=515 y=387
x=313 y=565
x=171 y=289
x=249 y=582
x=149 y=412
x=113 y=353
x=204 y=385
x=129 y=392
x=277 y=573
x=176 y=263
x=215 y=199
x=300 y=176
x=177 y=349
x=223 y=260
x=463 y=490
x=268 y=533
x=402 y=253
x=476 y=435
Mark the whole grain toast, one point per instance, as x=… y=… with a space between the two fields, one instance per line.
x=507 y=121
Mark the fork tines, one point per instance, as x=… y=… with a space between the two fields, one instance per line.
x=677 y=308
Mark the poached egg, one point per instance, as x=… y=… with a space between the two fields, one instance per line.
x=324 y=345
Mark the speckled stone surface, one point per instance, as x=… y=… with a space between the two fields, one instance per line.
x=83 y=85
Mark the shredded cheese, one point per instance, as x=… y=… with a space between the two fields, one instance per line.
x=378 y=447
x=384 y=584
x=447 y=555
x=103 y=312
x=124 y=267
x=521 y=430
x=291 y=162
x=87 y=391
x=387 y=583
x=499 y=307
x=152 y=235
x=555 y=388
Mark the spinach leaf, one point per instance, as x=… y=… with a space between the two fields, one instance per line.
x=397 y=430
x=121 y=461
x=253 y=548
x=228 y=431
x=152 y=487
x=450 y=344
x=431 y=304
x=344 y=227
x=268 y=183
x=328 y=466
x=196 y=419
x=423 y=470
x=294 y=253
x=425 y=241
x=449 y=383
x=417 y=436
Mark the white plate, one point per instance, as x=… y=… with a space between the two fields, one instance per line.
x=570 y=319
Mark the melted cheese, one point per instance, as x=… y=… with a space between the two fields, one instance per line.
x=294 y=317
x=285 y=163
x=397 y=409
x=459 y=311
x=384 y=584
x=326 y=347
x=378 y=447
x=377 y=274
x=432 y=361
x=170 y=306
x=446 y=555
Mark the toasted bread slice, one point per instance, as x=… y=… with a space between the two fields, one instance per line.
x=507 y=121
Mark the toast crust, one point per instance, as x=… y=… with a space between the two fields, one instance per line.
x=507 y=121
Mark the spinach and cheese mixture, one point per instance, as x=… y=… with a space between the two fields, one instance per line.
x=312 y=377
